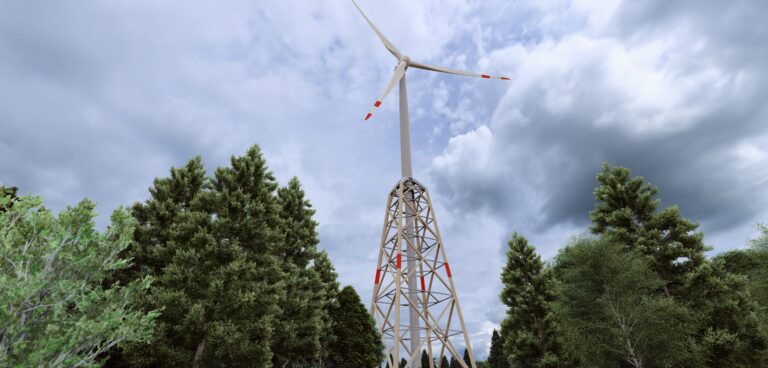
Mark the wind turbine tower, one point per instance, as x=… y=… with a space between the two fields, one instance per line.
x=424 y=285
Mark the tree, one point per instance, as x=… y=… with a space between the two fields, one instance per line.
x=357 y=341
x=303 y=318
x=626 y=213
x=529 y=338
x=752 y=263
x=444 y=362
x=455 y=362
x=11 y=194
x=424 y=359
x=610 y=313
x=324 y=269
x=211 y=245
x=467 y=361
x=56 y=310
x=496 y=358
x=730 y=333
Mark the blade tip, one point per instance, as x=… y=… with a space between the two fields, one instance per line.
x=368 y=116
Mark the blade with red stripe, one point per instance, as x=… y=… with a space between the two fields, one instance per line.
x=441 y=69
x=399 y=72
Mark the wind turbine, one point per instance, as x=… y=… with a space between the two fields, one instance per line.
x=410 y=223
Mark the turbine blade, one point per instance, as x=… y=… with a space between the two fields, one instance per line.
x=399 y=73
x=452 y=71
x=391 y=47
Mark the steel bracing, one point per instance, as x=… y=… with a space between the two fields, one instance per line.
x=411 y=248
x=410 y=229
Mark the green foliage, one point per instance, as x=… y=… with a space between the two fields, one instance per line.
x=324 y=269
x=424 y=359
x=497 y=358
x=752 y=264
x=729 y=333
x=466 y=358
x=455 y=363
x=10 y=194
x=358 y=343
x=611 y=314
x=56 y=310
x=527 y=330
x=626 y=213
x=761 y=242
x=211 y=245
x=303 y=319
x=444 y=362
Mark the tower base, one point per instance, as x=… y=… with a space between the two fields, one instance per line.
x=413 y=273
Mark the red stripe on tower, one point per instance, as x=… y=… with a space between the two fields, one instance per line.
x=447 y=269
x=423 y=288
x=378 y=276
x=485 y=76
x=399 y=260
x=377 y=104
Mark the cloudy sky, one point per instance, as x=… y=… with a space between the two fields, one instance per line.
x=99 y=98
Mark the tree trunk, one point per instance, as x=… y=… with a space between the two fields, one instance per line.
x=198 y=353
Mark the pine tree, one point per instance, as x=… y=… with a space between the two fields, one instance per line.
x=357 y=342
x=444 y=363
x=424 y=359
x=466 y=358
x=211 y=245
x=303 y=320
x=626 y=213
x=455 y=362
x=496 y=358
x=529 y=338
x=324 y=269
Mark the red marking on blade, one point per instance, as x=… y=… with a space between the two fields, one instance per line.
x=447 y=269
x=504 y=78
x=399 y=260
x=423 y=288
x=378 y=276
x=377 y=104
x=368 y=116
x=485 y=76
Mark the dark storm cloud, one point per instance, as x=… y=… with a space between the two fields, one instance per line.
x=675 y=92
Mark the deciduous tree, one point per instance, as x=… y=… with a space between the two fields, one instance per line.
x=56 y=309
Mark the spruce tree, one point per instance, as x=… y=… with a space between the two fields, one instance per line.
x=444 y=363
x=211 y=245
x=455 y=362
x=424 y=359
x=529 y=338
x=330 y=287
x=496 y=358
x=303 y=319
x=466 y=358
x=626 y=213
x=357 y=342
